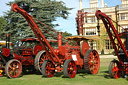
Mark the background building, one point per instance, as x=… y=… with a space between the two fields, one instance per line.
x=118 y=13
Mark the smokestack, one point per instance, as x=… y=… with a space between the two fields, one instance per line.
x=80 y=4
x=7 y=40
x=102 y=3
x=59 y=39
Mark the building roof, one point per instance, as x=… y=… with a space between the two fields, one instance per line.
x=76 y=37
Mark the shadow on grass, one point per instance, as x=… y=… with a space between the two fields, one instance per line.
x=106 y=75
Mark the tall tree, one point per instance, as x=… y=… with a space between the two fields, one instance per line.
x=45 y=11
x=2 y=25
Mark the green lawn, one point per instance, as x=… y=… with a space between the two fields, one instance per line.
x=102 y=78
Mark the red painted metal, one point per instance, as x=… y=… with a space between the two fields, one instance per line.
x=80 y=21
x=84 y=46
x=27 y=53
x=93 y=62
x=118 y=45
x=59 y=39
x=5 y=52
x=56 y=56
x=13 y=68
x=113 y=36
x=116 y=70
x=29 y=39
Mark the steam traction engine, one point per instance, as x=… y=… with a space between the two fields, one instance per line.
x=67 y=58
x=9 y=65
x=116 y=67
x=23 y=56
x=26 y=54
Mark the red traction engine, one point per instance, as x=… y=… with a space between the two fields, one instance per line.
x=66 y=57
x=26 y=54
x=116 y=67
x=8 y=62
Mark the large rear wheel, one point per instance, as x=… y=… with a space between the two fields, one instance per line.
x=39 y=59
x=13 y=68
x=91 y=62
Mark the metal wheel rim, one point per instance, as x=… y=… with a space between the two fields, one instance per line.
x=71 y=69
x=115 y=70
x=94 y=62
x=49 y=69
x=91 y=62
x=40 y=58
x=14 y=69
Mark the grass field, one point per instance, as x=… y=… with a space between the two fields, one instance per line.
x=102 y=78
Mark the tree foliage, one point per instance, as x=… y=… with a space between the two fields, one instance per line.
x=45 y=11
x=2 y=24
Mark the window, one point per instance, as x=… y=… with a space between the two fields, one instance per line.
x=108 y=45
x=90 y=20
x=92 y=45
x=123 y=16
x=91 y=31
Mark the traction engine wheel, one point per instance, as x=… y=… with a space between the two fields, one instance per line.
x=48 y=69
x=39 y=59
x=114 y=69
x=91 y=62
x=13 y=68
x=69 y=68
x=83 y=48
x=37 y=48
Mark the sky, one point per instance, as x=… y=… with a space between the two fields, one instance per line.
x=68 y=25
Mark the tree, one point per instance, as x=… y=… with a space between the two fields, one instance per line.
x=45 y=11
x=2 y=24
x=66 y=34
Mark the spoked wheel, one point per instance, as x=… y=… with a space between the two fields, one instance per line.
x=48 y=69
x=91 y=62
x=69 y=68
x=13 y=68
x=114 y=69
x=39 y=59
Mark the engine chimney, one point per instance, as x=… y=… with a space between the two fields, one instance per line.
x=59 y=39
x=7 y=40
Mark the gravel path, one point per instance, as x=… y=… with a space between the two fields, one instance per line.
x=108 y=56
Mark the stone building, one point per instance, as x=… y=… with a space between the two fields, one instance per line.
x=117 y=13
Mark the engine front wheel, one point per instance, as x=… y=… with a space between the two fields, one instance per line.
x=69 y=68
x=48 y=69
x=13 y=68
x=114 y=69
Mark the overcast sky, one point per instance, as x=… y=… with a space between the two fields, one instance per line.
x=65 y=25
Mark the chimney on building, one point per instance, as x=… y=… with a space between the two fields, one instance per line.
x=105 y=5
x=80 y=4
x=102 y=3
